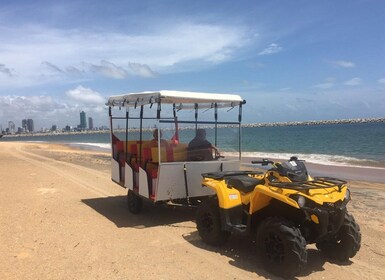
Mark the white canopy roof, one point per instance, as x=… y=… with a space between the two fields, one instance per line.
x=175 y=97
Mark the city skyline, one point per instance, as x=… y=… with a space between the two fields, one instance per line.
x=27 y=126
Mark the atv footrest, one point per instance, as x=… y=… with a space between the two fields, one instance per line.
x=240 y=228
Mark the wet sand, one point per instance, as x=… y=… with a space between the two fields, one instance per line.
x=61 y=217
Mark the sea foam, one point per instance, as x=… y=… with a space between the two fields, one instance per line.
x=335 y=160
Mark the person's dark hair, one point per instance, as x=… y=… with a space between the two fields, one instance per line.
x=201 y=133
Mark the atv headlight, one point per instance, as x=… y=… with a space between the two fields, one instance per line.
x=301 y=201
x=347 y=194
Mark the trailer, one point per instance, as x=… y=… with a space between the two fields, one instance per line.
x=162 y=171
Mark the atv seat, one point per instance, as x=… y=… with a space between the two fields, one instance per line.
x=244 y=183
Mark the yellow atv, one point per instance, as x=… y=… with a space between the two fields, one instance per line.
x=285 y=209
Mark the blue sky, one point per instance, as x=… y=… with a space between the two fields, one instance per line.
x=291 y=60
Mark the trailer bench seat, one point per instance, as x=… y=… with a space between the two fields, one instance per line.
x=175 y=152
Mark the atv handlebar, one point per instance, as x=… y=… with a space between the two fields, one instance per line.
x=264 y=162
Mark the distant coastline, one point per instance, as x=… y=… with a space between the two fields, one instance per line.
x=324 y=122
x=274 y=124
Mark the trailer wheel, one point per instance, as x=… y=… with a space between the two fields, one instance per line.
x=209 y=223
x=345 y=244
x=281 y=247
x=134 y=202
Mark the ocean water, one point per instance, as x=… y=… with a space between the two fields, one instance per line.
x=360 y=144
x=341 y=144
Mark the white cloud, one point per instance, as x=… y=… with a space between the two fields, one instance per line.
x=15 y=108
x=381 y=81
x=141 y=70
x=36 y=51
x=86 y=95
x=109 y=69
x=271 y=49
x=353 y=82
x=328 y=83
x=344 y=64
x=104 y=68
x=46 y=110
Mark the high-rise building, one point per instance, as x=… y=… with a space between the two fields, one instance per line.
x=27 y=125
x=11 y=127
x=30 y=125
x=24 y=124
x=90 y=123
x=83 y=120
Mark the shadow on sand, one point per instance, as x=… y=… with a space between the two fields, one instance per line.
x=115 y=209
x=243 y=254
x=241 y=250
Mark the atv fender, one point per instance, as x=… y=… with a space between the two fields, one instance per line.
x=264 y=194
x=227 y=197
x=230 y=206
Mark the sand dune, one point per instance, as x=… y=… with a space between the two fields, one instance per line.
x=61 y=217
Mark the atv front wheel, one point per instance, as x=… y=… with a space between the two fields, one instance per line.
x=134 y=202
x=209 y=223
x=281 y=247
x=345 y=244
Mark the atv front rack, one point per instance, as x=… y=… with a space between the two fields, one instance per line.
x=318 y=182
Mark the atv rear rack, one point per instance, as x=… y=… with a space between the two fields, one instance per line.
x=318 y=182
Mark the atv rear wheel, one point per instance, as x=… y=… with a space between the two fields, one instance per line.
x=134 y=202
x=281 y=247
x=209 y=223
x=345 y=244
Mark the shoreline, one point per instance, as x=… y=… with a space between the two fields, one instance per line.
x=347 y=172
x=375 y=174
x=315 y=159
x=343 y=171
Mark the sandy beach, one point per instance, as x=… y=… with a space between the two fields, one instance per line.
x=61 y=217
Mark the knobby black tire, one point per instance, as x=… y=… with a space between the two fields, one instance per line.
x=134 y=202
x=345 y=244
x=281 y=247
x=209 y=223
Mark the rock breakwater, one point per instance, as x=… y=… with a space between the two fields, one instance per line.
x=323 y=122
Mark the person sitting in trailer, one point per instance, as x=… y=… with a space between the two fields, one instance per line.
x=154 y=141
x=200 y=148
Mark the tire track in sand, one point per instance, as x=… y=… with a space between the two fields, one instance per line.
x=69 y=172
